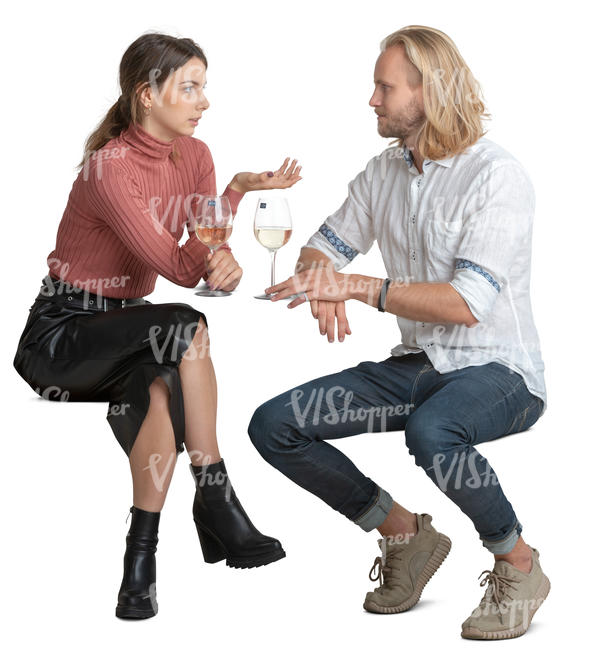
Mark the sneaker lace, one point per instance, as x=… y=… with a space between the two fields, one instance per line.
x=498 y=593
x=381 y=570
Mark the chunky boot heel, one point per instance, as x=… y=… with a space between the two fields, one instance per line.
x=137 y=595
x=224 y=528
x=211 y=549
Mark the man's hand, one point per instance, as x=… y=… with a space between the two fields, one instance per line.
x=223 y=271
x=325 y=312
x=323 y=283
x=280 y=179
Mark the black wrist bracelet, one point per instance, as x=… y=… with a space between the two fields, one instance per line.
x=383 y=294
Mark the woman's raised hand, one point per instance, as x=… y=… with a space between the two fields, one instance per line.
x=280 y=179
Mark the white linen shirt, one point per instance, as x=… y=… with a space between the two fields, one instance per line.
x=466 y=220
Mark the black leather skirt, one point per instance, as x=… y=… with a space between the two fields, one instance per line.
x=80 y=347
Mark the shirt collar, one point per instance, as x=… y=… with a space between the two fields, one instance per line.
x=444 y=162
x=145 y=143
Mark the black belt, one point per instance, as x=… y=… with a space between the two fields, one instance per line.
x=57 y=290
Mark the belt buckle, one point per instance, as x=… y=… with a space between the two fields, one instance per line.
x=104 y=304
x=123 y=302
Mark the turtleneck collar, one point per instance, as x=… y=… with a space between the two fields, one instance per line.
x=145 y=143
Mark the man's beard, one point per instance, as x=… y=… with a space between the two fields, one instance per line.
x=405 y=124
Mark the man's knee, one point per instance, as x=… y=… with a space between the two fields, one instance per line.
x=268 y=431
x=428 y=437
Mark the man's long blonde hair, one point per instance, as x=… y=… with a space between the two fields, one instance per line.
x=452 y=96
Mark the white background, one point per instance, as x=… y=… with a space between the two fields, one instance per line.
x=294 y=79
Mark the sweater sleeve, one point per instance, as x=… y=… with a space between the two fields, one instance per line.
x=119 y=201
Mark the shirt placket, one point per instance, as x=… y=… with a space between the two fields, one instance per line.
x=414 y=238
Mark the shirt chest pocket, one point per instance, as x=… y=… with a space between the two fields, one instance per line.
x=442 y=236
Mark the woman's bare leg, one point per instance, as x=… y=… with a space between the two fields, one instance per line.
x=153 y=455
x=200 y=396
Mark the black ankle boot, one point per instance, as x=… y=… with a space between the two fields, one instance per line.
x=224 y=528
x=137 y=596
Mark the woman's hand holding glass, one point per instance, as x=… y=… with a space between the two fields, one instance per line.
x=224 y=272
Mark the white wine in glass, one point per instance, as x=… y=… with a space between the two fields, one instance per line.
x=272 y=229
x=213 y=226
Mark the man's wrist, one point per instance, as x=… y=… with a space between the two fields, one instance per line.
x=364 y=288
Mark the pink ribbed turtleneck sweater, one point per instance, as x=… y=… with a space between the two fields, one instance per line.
x=127 y=211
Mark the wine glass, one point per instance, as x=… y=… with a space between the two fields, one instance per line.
x=272 y=229
x=213 y=226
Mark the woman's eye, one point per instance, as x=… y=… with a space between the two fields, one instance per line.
x=188 y=88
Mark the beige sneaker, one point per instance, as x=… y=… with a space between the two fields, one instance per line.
x=509 y=603
x=407 y=565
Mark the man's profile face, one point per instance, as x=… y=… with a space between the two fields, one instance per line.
x=399 y=105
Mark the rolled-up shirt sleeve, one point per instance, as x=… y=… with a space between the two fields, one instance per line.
x=349 y=230
x=499 y=218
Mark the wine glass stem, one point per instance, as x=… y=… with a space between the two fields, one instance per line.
x=208 y=261
x=272 y=267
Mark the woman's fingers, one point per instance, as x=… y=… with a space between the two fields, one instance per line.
x=284 y=166
x=232 y=280
x=223 y=273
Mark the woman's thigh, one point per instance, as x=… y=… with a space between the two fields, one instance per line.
x=89 y=353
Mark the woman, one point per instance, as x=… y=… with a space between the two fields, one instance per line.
x=91 y=336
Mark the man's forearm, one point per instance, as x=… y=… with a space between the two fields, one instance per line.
x=428 y=302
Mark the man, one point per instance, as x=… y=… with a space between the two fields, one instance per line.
x=452 y=214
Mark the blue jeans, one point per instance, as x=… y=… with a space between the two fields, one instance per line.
x=443 y=415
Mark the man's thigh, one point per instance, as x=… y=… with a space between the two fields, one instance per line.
x=370 y=397
x=480 y=403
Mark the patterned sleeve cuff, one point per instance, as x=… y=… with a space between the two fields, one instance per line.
x=329 y=243
x=477 y=287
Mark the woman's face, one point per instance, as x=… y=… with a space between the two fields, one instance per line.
x=178 y=104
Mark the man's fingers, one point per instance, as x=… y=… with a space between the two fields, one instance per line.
x=321 y=313
x=343 y=323
x=314 y=308
x=330 y=321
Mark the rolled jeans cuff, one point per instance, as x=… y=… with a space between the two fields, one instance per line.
x=377 y=512
x=506 y=545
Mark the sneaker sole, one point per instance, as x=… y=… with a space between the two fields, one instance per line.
x=475 y=633
x=433 y=563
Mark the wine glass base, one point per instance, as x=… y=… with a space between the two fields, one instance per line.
x=208 y=293
x=204 y=290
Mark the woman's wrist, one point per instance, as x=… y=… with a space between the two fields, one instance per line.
x=237 y=183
